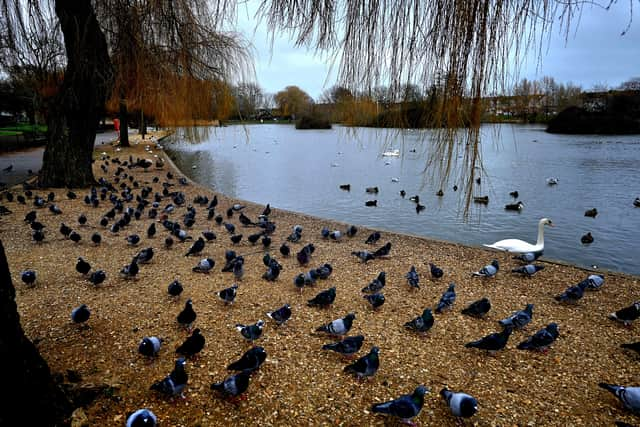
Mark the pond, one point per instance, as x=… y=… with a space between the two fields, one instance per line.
x=302 y=171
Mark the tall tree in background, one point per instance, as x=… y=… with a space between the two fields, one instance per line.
x=293 y=101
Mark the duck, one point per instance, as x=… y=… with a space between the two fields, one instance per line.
x=591 y=212
x=481 y=199
x=520 y=246
x=587 y=238
x=514 y=206
x=552 y=180
x=636 y=202
x=514 y=194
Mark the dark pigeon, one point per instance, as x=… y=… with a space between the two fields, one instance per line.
x=436 y=272
x=573 y=293
x=196 y=248
x=405 y=407
x=346 y=347
x=281 y=315
x=228 y=295
x=376 y=300
x=175 y=288
x=492 y=342
x=324 y=298
x=233 y=385
x=28 y=277
x=519 y=319
x=447 y=299
x=82 y=266
x=422 y=323
x=174 y=383
x=542 y=339
x=97 y=277
x=187 y=316
x=366 y=366
x=363 y=255
x=80 y=314
x=627 y=315
x=373 y=238
x=192 y=345
x=376 y=284
x=250 y=360
x=412 y=278
x=251 y=332
x=478 y=308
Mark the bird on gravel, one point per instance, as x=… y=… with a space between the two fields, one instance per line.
x=196 y=248
x=477 y=308
x=205 y=265
x=82 y=219
x=75 y=237
x=528 y=257
x=38 y=235
x=174 y=383
x=80 y=314
x=251 y=332
x=376 y=300
x=209 y=235
x=492 y=342
x=133 y=239
x=404 y=407
x=82 y=266
x=142 y=418
x=285 y=250
x=594 y=282
x=382 y=251
x=338 y=326
x=488 y=270
x=373 y=238
x=635 y=346
x=528 y=270
x=130 y=271
x=363 y=255
x=151 y=231
x=250 y=360
x=144 y=256
x=412 y=278
x=447 y=299
x=519 y=319
x=324 y=298
x=231 y=229
x=192 y=345
x=168 y=242
x=541 y=340
x=149 y=346
x=253 y=238
x=30 y=217
x=460 y=404
x=628 y=396
x=236 y=238
x=187 y=316
x=366 y=366
x=228 y=295
x=281 y=315
x=573 y=293
x=65 y=230
x=422 y=323
x=233 y=385
x=347 y=347
x=376 y=284
x=627 y=315
x=175 y=288
x=97 y=277
x=28 y=277
x=436 y=272
x=96 y=238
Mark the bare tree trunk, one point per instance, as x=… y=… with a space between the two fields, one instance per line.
x=26 y=376
x=124 y=123
x=76 y=111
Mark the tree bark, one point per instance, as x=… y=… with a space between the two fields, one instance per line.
x=26 y=376
x=123 y=115
x=76 y=110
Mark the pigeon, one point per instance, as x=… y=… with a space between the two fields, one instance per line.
x=412 y=278
x=175 y=288
x=192 y=345
x=528 y=257
x=519 y=319
x=542 y=339
x=478 y=308
x=281 y=315
x=492 y=342
x=55 y=209
x=204 y=266
x=30 y=217
x=253 y=238
x=383 y=251
x=436 y=272
x=422 y=323
x=168 y=242
x=324 y=298
x=373 y=238
x=65 y=230
x=338 y=326
x=187 y=316
x=461 y=404
x=366 y=366
x=528 y=270
x=363 y=255
x=130 y=271
x=228 y=295
x=251 y=332
x=231 y=229
x=488 y=270
x=376 y=300
x=404 y=407
x=151 y=231
x=447 y=299
x=236 y=238
x=627 y=315
x=80 y=314
x=149 y=346
x=347 y=347
x=594 y=282
x=244 y=220
x=209 y=235
x=82 y=266
x=635 y=346
x=38 y=226
x=144 y=256
x=250 y=360
x=142 y=418
x=96 y=238
x=28 y=277
x=324 y=271
x=97 y=277
x=38 y=235
x=629 y=396
x=376 y=284
x=267 y=210
x=352 y=230
x=133 y=239
x=75 y=237
x=174 y=383
x=196 y=248
x=272 y=272
x=573 y=293
x=285 y=250
x=304 y=255
x=233 y=385
x=82 y=219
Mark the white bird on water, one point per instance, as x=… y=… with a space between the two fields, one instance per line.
x=520 y=246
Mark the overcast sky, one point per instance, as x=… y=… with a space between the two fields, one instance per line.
x=595 y=54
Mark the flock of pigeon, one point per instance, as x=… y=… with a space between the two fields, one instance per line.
x=127 y=200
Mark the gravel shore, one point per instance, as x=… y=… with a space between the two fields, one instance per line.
x=300 y=384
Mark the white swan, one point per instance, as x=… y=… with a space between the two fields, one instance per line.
x=520 y=246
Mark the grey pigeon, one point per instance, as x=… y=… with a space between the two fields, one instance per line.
x=447 y=299
x=338 y=326
x=412 y=278
x=376 y=300
x=376 y=284
x=366 y=366
x=404 y=407
x=228 y=295
x=528 y=270
x=629 y=396
x=478 y=308
x=233 y=385
x=542 y=339
x=250 y=360
x=594 y=282
x=422 y=323
x=142 y=418
x=149 y=346
x=251 y=332
x=519 y=319
x=174 y=383
x=363 y=255
x=573 y=293
x=436 y=272
x=346 y=347
x=528 y=257
x=461 y=404
x=80 y=314
x=204 y=266
x=488 y=270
